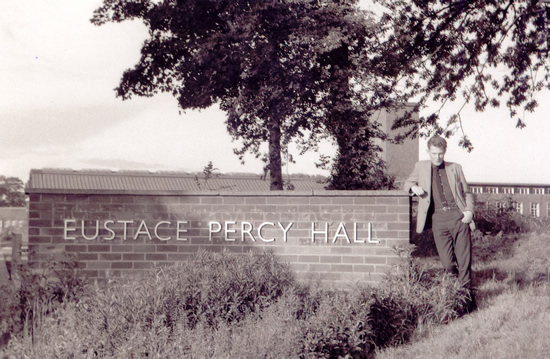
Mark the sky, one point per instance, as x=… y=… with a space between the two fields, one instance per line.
x=58 y=109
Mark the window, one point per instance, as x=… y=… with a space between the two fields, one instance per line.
x=538 y=190
x=518 y=207
x=491 y=189
x=535 y=209
x=524 y=190
x=508 y=190
x=476 y=189
x=501 y=207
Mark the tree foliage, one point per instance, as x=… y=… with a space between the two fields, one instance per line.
x=11 y=192
x=479 y=51
x=282 y=70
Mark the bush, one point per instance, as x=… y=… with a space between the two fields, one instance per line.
x=25 y=305
x=432 y=294
x=225 y=288
x=490 y=220
x=339 y=327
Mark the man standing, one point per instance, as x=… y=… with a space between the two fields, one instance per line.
x=446 y=200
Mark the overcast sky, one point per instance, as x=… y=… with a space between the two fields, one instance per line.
x=58 y=108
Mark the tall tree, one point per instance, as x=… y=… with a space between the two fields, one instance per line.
x=354 y=89
x=271 y=65
x=485 y=51
x=11 y=192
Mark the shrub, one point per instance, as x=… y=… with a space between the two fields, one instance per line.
x=225 y=288
x=25 y=305
x=433 y=295
x=9 y=319
x=490 y=220
x=339 y=326
x=392 y=321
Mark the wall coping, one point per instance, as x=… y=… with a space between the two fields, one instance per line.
x=314 y=193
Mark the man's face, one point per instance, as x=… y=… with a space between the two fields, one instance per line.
x=437 y=155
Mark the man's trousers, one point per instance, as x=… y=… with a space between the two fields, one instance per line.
x=454 y=244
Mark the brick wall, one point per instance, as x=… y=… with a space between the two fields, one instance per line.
x=337 y=237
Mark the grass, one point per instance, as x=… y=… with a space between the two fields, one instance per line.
x=514 y=324
x=511 y=273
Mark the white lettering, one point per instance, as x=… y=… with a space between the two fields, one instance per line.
x=370 y=235
x=355 y=240
x=285 y=230
x=229 y=230
x=338 y=234
x=260 y=231
x=179 y=230
x=157 y=233
x=165 y=230
x=66 y=230
x=211 y=229
x=314 y=232
x=247 y=231
x=140 y=231
x=96 y=231
x=105 y=225
x=125 y=226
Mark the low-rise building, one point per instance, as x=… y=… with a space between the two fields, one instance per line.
x=527 y=199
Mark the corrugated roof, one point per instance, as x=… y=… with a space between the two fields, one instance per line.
x=71 y=181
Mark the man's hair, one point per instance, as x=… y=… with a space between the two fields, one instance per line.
x=437 y=141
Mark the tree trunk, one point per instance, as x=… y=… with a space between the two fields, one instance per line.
x=275 y=164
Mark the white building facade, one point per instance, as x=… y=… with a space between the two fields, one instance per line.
x=527 y=199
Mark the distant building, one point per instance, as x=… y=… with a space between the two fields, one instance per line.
x=527 y=199
x=14 y=219
x=400 y=158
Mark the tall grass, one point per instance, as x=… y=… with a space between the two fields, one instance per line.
x=27 y=303
x=225 y=306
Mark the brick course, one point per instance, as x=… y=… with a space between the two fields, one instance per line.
x=126 y=233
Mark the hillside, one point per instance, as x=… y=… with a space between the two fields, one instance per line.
x=511 y=273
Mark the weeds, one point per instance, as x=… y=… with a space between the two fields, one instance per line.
x=220 y=305
x=26 y=305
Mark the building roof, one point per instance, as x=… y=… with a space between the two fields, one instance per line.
x=507 y=184
x=111 y=182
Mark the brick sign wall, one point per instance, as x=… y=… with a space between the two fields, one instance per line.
x=338 y=237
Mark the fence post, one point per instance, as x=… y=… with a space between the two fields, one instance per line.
x=17 y=239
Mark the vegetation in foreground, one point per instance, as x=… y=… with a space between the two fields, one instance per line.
x=222 y=305
x=228 y=306
x=512 y=275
